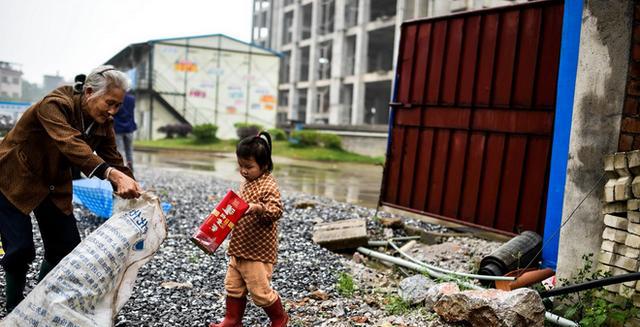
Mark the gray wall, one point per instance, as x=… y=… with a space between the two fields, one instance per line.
x=372 y=145
x=599 y=96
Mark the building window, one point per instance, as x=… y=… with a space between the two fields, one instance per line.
x=376 y=104
x=5 y=79
x=4 y=94
x=261 y=4
x=327 y=13
x=16 y=80
x=304 y=64
x=306 y=21
x=283 y=98
x=380 y=50
x=350 y=55
x=15 y=95
x=260 y=23
x=285 y=68
x=382 y=9
x=350 y=13
x=263 y=24
x=322 y=100
x=281 y=118
x=324 y=60
x=287 y=28
x=288 y=2
x=346 y=101
x=301 y=107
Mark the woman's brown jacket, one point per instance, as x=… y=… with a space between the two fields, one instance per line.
x=36 y=156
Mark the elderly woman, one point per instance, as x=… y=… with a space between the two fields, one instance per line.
x=70 y=127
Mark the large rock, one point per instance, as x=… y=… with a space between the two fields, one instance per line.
x=414 y=289
x=521 y=307
x=437 y=291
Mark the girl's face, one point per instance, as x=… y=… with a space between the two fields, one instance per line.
x=249 y=168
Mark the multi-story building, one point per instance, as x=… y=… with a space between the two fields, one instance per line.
x=339 y=55
x=51 y=82
x=10 y=81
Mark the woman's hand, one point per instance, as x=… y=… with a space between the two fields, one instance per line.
x=255 y=208
x=126 y=187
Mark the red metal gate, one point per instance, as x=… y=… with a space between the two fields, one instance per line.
x=472 y=118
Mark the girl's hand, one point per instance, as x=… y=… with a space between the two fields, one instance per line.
x=255 y=208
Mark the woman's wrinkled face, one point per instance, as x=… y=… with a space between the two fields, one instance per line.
x=249 y=168
x=103 y=107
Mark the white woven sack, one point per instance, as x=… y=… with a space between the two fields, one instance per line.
x=91 y=284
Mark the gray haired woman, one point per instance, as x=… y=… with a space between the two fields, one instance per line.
x=71 y=127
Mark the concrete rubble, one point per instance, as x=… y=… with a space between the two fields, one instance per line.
x=518 y=308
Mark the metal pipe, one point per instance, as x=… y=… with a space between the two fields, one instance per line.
x=450 y=272
x=414 y=266
x=591 y=284
x=401 y=262
x=385 y=243
x=438 y=269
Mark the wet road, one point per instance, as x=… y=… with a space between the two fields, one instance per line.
x=345 y=182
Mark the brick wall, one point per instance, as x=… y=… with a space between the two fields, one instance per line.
x=630 y=127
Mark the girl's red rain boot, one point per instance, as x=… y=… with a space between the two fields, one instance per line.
x=276 y=313
x=234 y=314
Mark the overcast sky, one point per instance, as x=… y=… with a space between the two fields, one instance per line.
x=73 y=36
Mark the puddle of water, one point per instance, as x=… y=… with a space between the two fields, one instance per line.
x=345 y=182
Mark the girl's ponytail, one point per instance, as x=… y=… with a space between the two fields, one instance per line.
x=267 y=138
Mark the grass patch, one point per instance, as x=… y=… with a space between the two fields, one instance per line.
x=345 y=286
x=280 y=148
x=395 y=305
x=589 y=307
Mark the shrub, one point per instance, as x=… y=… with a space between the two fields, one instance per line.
x=171 y=130
x=310 y=137
x=205 y=133
x=277 y=134
x=330 y=141
x=305 y=138
x=244 y=130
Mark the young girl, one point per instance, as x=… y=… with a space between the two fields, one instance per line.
x=254 y=241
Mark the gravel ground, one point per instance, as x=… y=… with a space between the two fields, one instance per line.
x=183 y=286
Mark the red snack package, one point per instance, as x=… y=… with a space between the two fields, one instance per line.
x=219 y=223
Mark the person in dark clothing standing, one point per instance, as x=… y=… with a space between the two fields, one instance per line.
x=61 y=131
x=124 y=124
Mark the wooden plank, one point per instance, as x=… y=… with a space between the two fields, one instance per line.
x=453 y=186
x=423 y=168
x=343 y=234
x=468 y=62
x=406 y=63
x=486 y=60
x=435 y=62
x=452 y=62
x=473 y=174
x=407 y=175
x=512 y=172
x=505 y=58
x=527 y=58
x=439 y=163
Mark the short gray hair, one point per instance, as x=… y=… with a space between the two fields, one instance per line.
x=103 y=78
